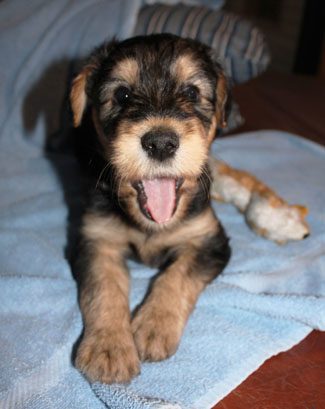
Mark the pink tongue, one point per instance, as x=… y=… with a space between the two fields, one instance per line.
x=161 y=198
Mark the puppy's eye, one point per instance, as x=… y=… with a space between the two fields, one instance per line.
x=191 y=92
x=122 y=95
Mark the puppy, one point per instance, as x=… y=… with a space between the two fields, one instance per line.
x=152 y=106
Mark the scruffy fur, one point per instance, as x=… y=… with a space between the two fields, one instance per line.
x=159 y=85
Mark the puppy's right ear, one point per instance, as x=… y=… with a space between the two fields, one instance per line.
x=78 y=94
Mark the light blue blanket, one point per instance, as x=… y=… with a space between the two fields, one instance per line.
x=268 y=299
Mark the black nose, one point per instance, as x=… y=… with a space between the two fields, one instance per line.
x=160 y=144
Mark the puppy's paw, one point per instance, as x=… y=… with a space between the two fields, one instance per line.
x=108 y=357
x=156 y=333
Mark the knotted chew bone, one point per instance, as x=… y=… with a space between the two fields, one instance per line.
x=265 y=212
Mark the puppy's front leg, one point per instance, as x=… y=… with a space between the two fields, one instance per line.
x=107 y=352
x=159 y=323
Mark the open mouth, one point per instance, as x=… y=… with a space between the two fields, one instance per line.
x=158 y=197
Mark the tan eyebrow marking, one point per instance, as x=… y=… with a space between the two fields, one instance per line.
x=187 y=70
x=184 y=68
x=126 y=70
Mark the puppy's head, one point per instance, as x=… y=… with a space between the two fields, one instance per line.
x=156 y=103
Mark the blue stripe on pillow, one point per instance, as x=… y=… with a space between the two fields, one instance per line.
x=230 y=36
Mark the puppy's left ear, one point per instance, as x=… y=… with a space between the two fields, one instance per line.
x=223 y=93
x=223 y=97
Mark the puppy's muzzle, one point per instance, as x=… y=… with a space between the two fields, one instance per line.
x=160 y=144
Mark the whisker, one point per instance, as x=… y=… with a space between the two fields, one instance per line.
x=119 y=185
x=208 y=175
x=204 y=186
x=106 y=167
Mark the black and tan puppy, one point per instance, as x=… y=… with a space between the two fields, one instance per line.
x=155 y=103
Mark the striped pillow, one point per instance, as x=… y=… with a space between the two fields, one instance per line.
x=240 y=45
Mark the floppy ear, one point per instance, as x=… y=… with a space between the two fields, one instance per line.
x=223 y=94
x=78 y=94
x=223 y=98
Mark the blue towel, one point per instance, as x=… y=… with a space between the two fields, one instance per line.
x=268 y=299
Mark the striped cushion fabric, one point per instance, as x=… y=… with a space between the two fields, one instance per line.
x=240 y=45
x=214 y=4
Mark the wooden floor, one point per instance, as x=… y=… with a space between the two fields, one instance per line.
x=290 y=103
x=290 y=380
x=294 y=379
